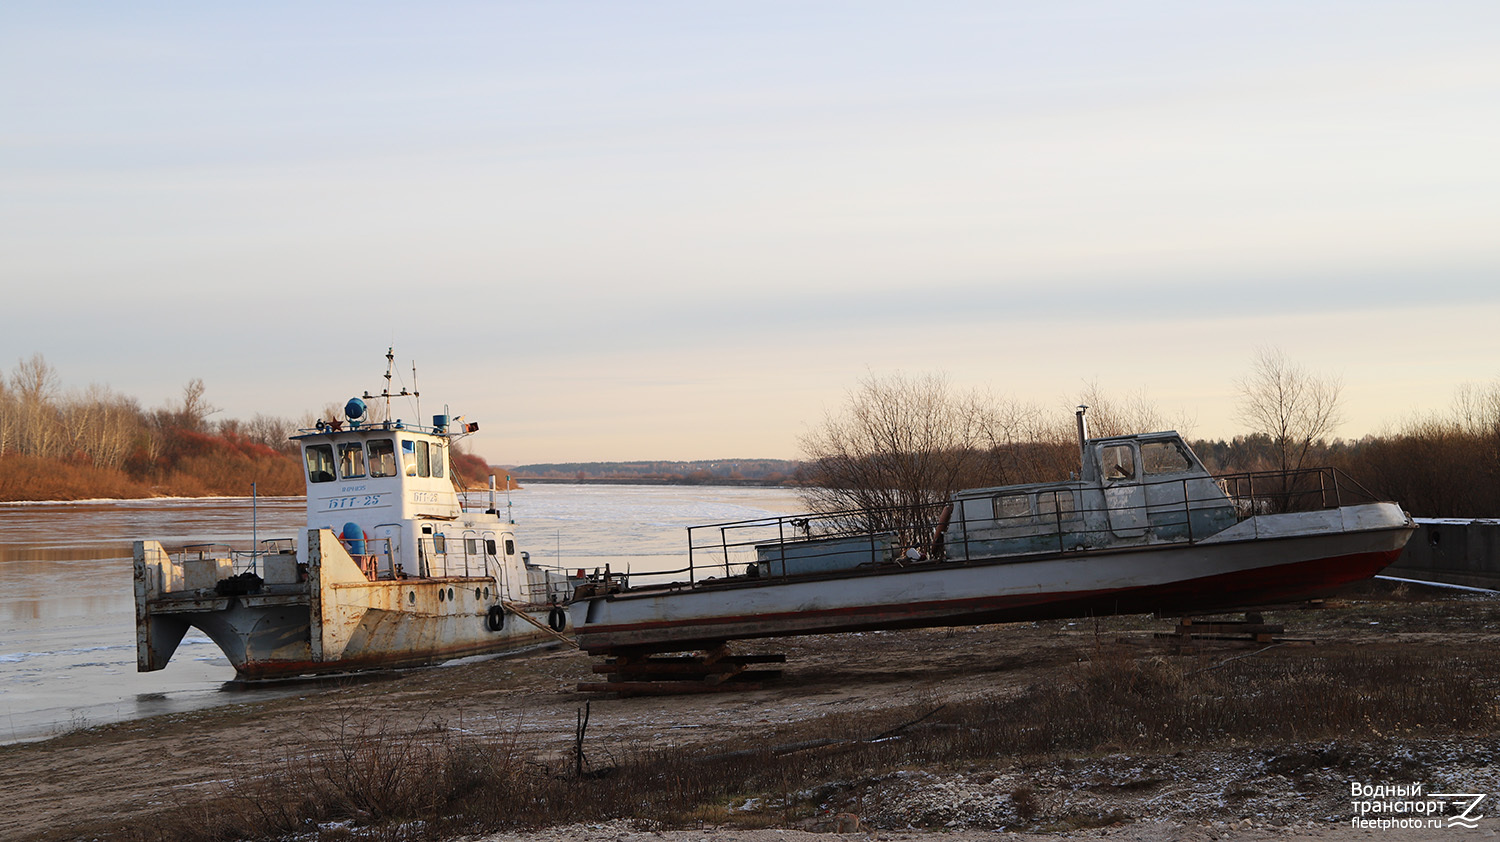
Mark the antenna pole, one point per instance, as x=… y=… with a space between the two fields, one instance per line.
x=254 y=529
x=414 y=393
x=390 y=362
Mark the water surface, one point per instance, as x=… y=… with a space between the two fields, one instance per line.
x=67 y=610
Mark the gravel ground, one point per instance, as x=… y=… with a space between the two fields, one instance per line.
x=1281 y=790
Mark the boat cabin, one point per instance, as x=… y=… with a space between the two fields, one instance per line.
x=1132 y=490
x=386 y=489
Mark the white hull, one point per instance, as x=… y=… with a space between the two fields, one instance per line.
x=1264 y=559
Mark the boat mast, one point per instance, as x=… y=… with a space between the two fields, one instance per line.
x=414 y=393
x=387 y=394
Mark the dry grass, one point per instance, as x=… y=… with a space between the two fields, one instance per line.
x=367 y=779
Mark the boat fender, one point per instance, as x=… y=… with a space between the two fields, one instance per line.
x=495 y=619
x=557 y=619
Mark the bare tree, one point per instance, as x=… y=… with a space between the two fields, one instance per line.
x=101 y=425
x=7 y=418
x=1024 y=443
x=901 y=442
x=273 y=431
x=195 y=408
x=1292 y=407
x=1135 y=413
x=34 y=383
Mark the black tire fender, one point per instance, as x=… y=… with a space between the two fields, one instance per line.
x=495 y=619
x=557 y=619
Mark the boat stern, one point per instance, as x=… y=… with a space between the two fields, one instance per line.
x=244 y=602
x=156 y=635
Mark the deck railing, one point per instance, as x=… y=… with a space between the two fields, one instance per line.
x=1171 y=510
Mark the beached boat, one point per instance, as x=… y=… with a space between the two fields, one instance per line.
x=397 y=568
x=1143 y=528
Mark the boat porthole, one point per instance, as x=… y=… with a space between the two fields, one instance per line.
x=476 y=593
x=557 y=619
x=450 y=594
x=495 y=619
x=486 y=593
x=411 y=596
x=440 y=594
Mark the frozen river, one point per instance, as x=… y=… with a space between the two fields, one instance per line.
x=67 y=616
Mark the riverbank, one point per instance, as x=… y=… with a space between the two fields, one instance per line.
x=1255 y=769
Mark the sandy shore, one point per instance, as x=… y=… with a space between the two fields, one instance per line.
x=1284 y=791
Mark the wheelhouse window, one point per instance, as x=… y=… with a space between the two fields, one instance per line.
x=1164 y=457
x=1012 y=507
x=351 y=460
x=424 y=461
x=439 y=458
x=319 y=463
x=382 y=458
x=1117 y=462
x=409 y=457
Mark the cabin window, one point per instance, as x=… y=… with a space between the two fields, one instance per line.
x=471 y=546
x=1164 y=457
x=351 y=460
x=409 y=457
x=439 y=543
x=510 y=547
x=320 y=463
x=423 y=461
x=1118 y=462
x=1056 y=505
x=1012 y=506
x=489 y=546
x=382 y=458
x=439 y=456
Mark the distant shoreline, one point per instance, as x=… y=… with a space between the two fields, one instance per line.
x=714 y=482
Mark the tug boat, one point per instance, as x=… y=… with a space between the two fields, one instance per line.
x=397 y=569
x=1143 y=528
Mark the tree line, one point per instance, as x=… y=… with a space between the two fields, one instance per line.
x=904 y=442
x=899 y=441
x=60 y=444
x=697 y=472
x=57 y=443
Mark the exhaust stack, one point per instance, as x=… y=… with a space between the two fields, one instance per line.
x=1083 y=437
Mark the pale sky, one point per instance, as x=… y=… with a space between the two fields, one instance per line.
x=685 y=230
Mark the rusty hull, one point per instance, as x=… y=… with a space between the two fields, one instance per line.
x=335 y=621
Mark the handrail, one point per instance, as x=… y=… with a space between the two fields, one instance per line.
x=1165 y=509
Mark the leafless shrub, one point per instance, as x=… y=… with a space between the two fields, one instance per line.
x=1024 y=802
x=903 y=444
x=1443 y=464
